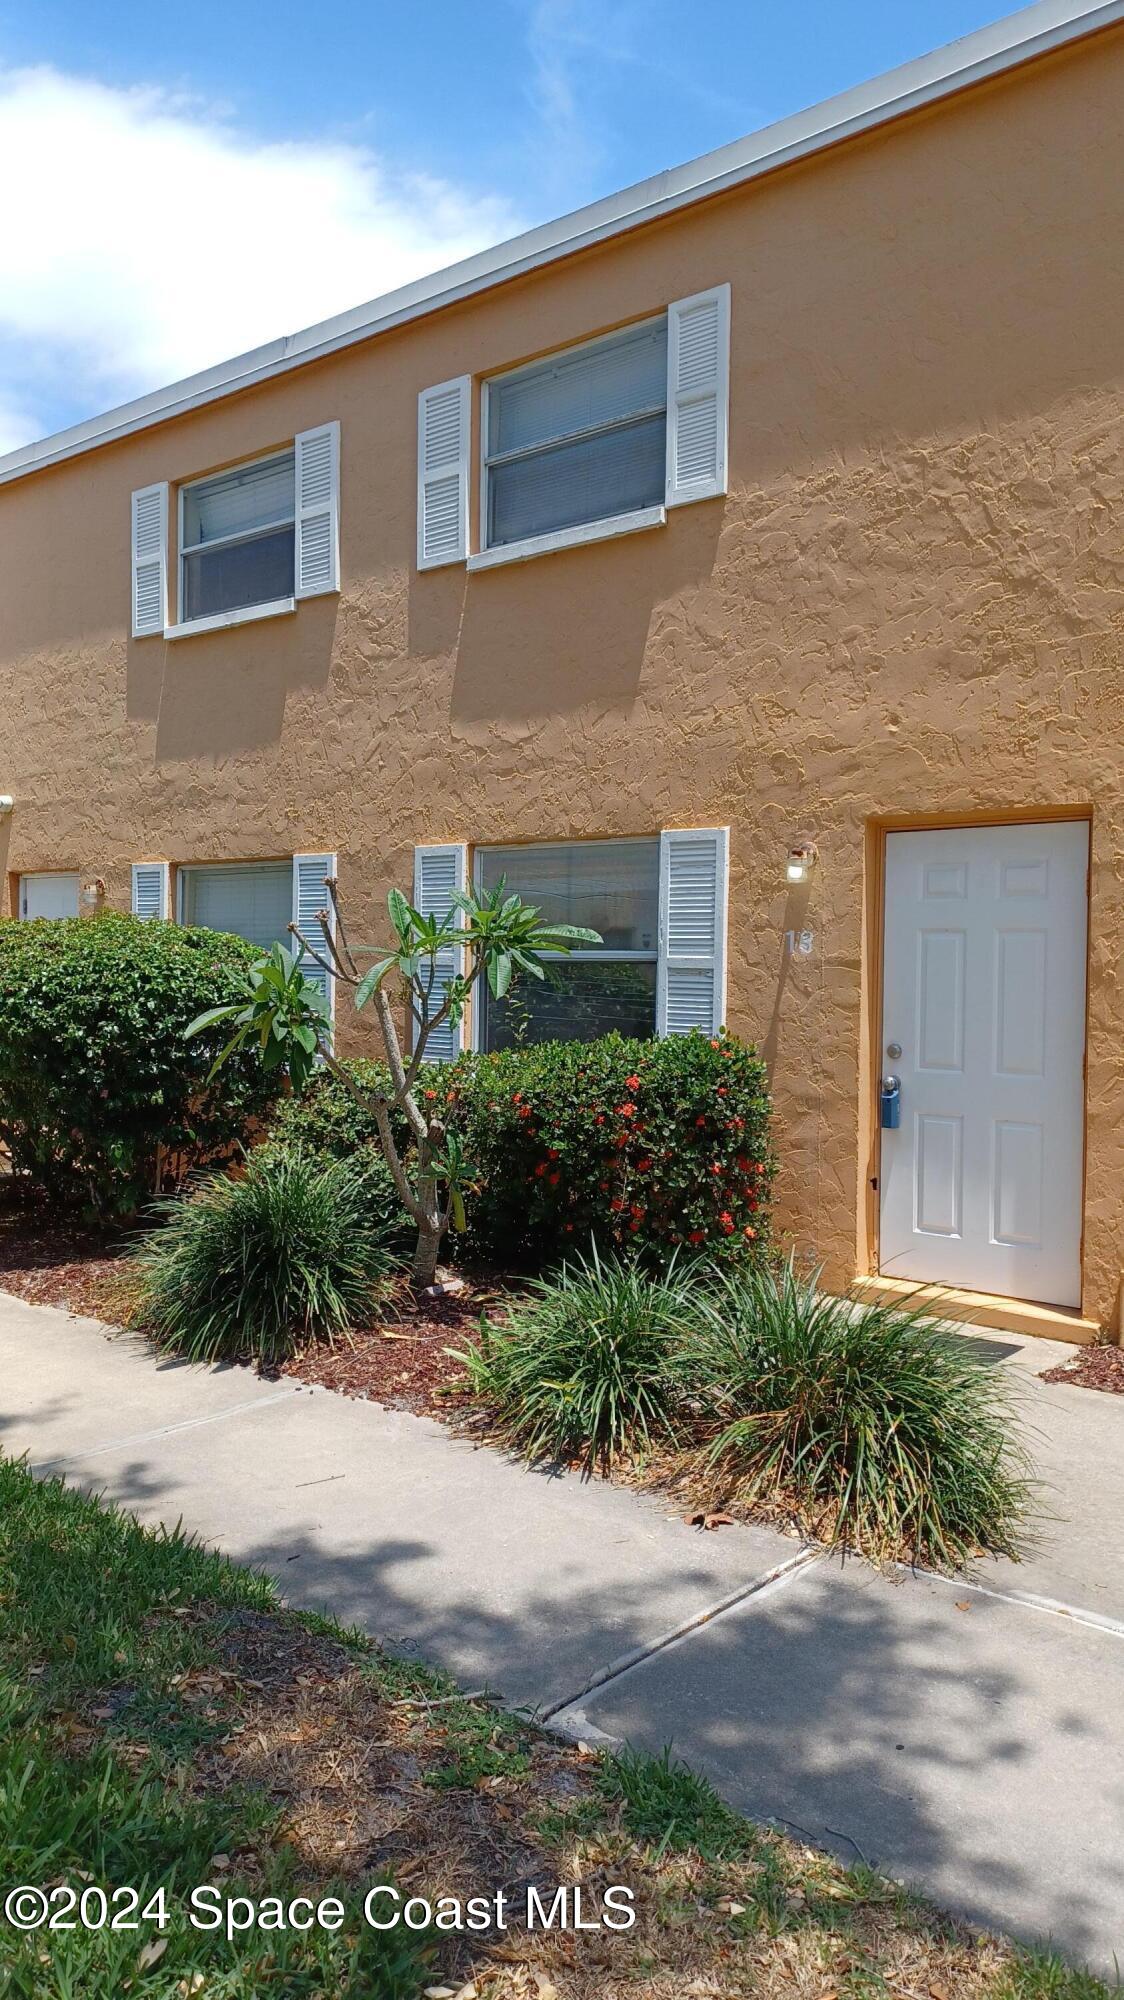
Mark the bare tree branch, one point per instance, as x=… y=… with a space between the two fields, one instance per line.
x=331 y=883
x=324 y=919
x=312 y=952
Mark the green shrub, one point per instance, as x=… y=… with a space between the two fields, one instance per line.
x=881 y=1430
x=251 y=1264
x=638 y=1145
x=582 y=1367
x=97 y=1086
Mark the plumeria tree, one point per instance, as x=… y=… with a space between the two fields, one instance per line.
x=497 y=936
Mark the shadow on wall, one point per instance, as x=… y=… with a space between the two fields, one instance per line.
x=219 y=694
x=794 y=921
x=563 y=631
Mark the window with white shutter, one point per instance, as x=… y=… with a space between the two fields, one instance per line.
x=444 y=426
x=237 y=538
x=691 y=986
x=310 y=895
x=698 y=379
x=318 y=537
x=150 y=560
x=438 y=871
x=249 y=899
x=150 y=889
x=607 y=886
x=578 y=438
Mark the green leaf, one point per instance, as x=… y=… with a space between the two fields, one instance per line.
x=208 y=1020
x=399 y=910
x=235 y=1042
x=571 y=933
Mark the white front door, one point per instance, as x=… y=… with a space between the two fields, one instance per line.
x=48 y=895
x=984 y=995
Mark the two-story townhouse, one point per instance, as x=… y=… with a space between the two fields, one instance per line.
x=737 y=566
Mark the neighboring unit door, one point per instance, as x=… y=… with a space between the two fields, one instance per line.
x=984 y=993
x=48 y=895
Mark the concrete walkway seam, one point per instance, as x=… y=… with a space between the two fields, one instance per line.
x=773 y=1580
x=163 y=1431
x=1026 y=1599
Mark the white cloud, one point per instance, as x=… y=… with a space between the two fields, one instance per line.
x=17 y=423
x=145 y=237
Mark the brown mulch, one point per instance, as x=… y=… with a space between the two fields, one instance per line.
x=52 y=1258
x=403 y=1362
x=1096 y=1367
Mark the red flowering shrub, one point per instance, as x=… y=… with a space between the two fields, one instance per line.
x=650 y=1144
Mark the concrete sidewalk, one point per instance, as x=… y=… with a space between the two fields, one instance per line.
x=964 y=1736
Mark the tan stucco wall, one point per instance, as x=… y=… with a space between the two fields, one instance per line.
x=912 y=601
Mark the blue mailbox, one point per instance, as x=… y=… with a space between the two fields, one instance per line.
x=891 y=1103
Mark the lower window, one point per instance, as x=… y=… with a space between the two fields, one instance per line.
x=610 y=886
x=253 y=901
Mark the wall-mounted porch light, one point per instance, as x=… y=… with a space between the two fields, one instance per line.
x=7 y=804
x=802 y=858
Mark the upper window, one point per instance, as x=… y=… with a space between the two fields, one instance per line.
x=609 y=886
x=237 y=538
x=581 y=437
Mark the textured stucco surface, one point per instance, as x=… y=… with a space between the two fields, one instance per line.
x=911 y=603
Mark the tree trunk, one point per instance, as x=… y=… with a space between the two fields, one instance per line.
x=426 y=1253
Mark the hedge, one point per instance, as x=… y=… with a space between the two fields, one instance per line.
x=628 y=1143
x=97 y=1085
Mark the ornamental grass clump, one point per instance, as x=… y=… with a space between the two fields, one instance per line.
x=251 y=1265
x=581 y=1370
x=876 y=1428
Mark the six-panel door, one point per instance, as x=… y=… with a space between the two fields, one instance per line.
x=984 y=992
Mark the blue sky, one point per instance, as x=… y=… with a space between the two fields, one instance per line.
x=194 y=180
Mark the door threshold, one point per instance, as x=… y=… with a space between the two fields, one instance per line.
x=984 y=1309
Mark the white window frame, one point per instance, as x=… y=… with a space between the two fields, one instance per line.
x=243 y=614
x=583 y=954
x=491 y=554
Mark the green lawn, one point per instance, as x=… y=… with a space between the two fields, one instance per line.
x=164 y=1724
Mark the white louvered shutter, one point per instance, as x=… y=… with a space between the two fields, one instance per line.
x=444 y=426
x=698 y=395
x=691 y=983
x=317 y=563
x=150 y=559
x=437 y=872
x=310 y=896
x=150 y=889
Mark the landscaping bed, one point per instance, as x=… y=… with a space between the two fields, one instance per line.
x=404 y=1362
x=1095 y=1367
x=167 y=1723
x=49 y=1257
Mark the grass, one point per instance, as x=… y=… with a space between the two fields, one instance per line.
x=581 y=1368
x=249 y=1265
x=163 y=1723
